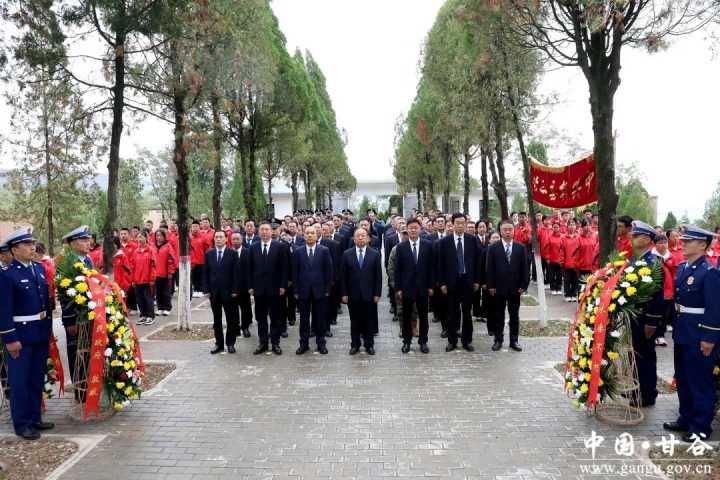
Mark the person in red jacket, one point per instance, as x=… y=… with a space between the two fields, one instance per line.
x=121 y=268
x=544 y=232
x=198 y=247
x=143 y=264
x=165 y=268
x=49 y=264
x=624 y=236
x=588 y=249
x=128 y=245
x=670 y=268
x=571 y=261
x=555 y=257
x=675 y=247
x=96 y=254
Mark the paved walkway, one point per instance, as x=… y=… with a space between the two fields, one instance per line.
x=452 y=416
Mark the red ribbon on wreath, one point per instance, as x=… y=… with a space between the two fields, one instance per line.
x=99 y=340
x=57 y=363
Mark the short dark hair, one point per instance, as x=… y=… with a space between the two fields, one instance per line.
x=438 y=218
x=124 y=228
x=505 y=221
x=457 y=215
x=410 y=221
x=221 y=231
x=39 y=247
x=626 y=220
x=195 y=222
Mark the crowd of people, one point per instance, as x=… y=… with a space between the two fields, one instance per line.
x=313 y=262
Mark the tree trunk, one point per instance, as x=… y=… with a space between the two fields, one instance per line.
x=308 y=189
x=118 y=107
x=270 y=199
x=466 y=183
x=252 y=177
x=48 y=175
x=419 y=200
x=217 y=135
x=601 y=107
x=484 y=184
x=294 y=190
x=330 y=202
x=447 y=169
x=498 y=177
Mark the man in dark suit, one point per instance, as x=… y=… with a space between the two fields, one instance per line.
x=438 y=300
x=478 y=297
x=360 y=289
x=268 y=280
x=336 y=255
x=250 y=234
x=508 y=276
x=222 y=284
x=414 y=269
x=459 y=276
x=312 y=274
x=242 y=271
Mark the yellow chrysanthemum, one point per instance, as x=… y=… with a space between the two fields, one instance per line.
x=619 y=263
x=592 y=319
x=615 y=294
x=582 y=362
x=118 y=406
x=716 y=371
x=584 y=388
x=600 y=382
x=108 y=299
x=110 y=327
x=81 y=287
x=581 y=350
x=630 y=291
x=587 y=377
x=128 y=390
x=632 y=277
x=80 y=299
x=116 y=363
x=65 y=282
x=120 y=385
x=613 y=355
x=644 y=272
x=91 y=315
x=79 y=265
x=576 y=403
x=612 y=307
x=569 y=385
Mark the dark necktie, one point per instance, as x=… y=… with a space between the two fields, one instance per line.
x=219 y=256
x=460 y=257
x=361 y=258
x=508 y=251
x=311 y=254
x=415 y=255
x=265 y=249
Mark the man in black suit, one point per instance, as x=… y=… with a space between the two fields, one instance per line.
x=268 y=280
x=438 y=300
x=459 y=275
x=242 y=271
x=222 y=282
x=508 y=276
x=250 y=234
x=414 y=269
x=312 y=274
x=360 y=289
x=335 y=255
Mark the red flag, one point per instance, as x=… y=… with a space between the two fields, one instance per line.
x=564 y=187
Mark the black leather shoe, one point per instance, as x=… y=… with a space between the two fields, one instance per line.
x=443 y=334
x=43 y=426
x=323 y=350
x=231 y=349
x=370 y=350
x=302 y=349
x=260 y=349
x=333 y=322
x=328 y=333
x=675 y=427
x=291 y=323
x=496 y=346
x=276 y=350
x=216 y=350
x=435 y=320
x=284 y=334
x=450 y=347
x=516 y=347
x=246 y=333
x=690 y=437
x=354 y=350
x=29 y=434
x=424 y=348
x=405 y=348
x=468 y=348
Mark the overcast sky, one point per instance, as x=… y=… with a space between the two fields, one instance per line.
x=665 y=113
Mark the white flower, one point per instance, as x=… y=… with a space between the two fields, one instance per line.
x=629 y=270
x=88 y=294
x=92 y=305
x=118 y=342
x=108 y=352
x=71 y=292
x=647 y=279
x=615 y=334
x=603 y=362
x=622 y=300
x=625 y=284
x=641 y=263
x=107 y=310
x=597 y=301
x=79 y=278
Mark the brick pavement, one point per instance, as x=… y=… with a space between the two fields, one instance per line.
x=452 y=416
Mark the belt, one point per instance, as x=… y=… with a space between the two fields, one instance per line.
x=29 y=318
x=690 y=310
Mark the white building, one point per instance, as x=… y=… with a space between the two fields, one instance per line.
x=379 y=193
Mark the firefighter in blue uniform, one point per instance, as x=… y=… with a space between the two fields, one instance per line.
x=645 y=325
x=25 y=326
x=696 y=334
x=5 y=259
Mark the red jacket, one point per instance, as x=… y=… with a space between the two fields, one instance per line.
x=198 y=247
x=543 y=235
x=624 y=244
x=571 y=251
x=96 y=255
x=166 y=261
x=555 y=245
x=523 y=234
x=677 y=254
x=49 y=266
x=588 y=252
x=121 y=269
x=143 y=263
x=669 y=271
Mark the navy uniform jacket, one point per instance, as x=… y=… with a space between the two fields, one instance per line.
x=697 y=286
x=361 y=284
x=652 y=312
x=24 y=294
x=315 y=277
x=267 y=277
x=414 y=280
